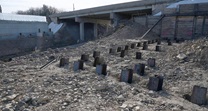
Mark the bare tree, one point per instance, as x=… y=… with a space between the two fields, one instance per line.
x=43 y=11
x=0 y=9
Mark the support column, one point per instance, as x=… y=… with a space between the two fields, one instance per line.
x=81 y=31
x=95 y=31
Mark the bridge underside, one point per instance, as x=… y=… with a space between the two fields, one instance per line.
x=86 y=27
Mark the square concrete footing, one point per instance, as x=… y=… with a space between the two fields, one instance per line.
x=139 y=69
x=85 y=57
x=145 y=47
x=158 y=48
x=98 y=61
x=138 y=55
x=101 y=69
x=112 y=51
x=126 y=75
x=123 y=53
x=155 y=83
x=96 y=54
x=198 y=95
x=63 y=62
x=151 y=62
x=78 y=65
x=119 y=49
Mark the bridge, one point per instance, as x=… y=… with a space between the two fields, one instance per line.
x=85 y=21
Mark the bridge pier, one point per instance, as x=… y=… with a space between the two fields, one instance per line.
x=81 y=26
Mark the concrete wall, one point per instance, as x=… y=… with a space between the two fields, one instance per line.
x=11 y=29
x=149 y=21
x=26 y=44
x=187 y=26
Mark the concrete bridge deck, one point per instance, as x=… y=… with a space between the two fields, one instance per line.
x=85 y=21
x=129 y=7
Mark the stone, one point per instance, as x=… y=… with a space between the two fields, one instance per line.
x=198 y=95
x=101 y=69
x=181 y=56
x=139 y=69
x=126 y=75
x=155 y=83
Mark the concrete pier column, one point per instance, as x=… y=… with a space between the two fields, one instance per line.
x=96 y=31
x=82 y=31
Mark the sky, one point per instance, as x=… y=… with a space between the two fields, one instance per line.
x=12 y=6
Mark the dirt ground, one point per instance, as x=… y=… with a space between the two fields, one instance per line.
x=24 y=87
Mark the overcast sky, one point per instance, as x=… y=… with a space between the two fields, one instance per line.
x=11 y=6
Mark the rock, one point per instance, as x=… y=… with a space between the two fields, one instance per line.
x=120 y=97
x=7 y=109
x=9 y=98
x=124 y=106
x=181 y=56
x=20 y=106
x=137 y=108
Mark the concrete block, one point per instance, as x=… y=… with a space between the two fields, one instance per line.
x=198 y=95
x=78 y=65
x=169 y=43
x=155 y=83
x=151 y=62
x=139 y=69
x=138 y=55
x=119 y=49
x=145 y=47
x=126 y=47
x=126 y=75
x=139 y=44
x=112 y=51
x=98 y=61
x=96 y=54
x=158 y=42
x=145 y=43
x=133 y=46
x=123 y=53
x=157 y=48
x=85 y=57
x=101 y=69
x=63 y=62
